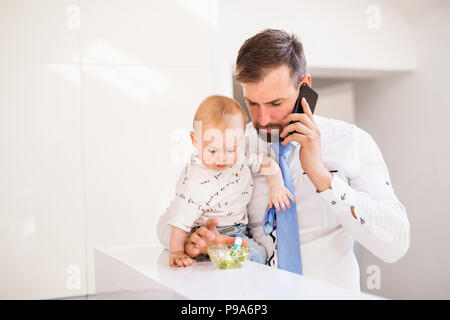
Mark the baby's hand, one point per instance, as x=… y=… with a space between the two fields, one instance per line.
x=180 y=259
x=279 y=197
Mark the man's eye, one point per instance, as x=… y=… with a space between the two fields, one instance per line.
x=275 y=104
x=252 y=103
x=212 y=151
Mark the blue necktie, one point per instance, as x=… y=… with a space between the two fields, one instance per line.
x=288 y=239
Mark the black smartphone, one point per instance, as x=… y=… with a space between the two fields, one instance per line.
x=310 y=95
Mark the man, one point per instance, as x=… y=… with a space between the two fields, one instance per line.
x=341 y=183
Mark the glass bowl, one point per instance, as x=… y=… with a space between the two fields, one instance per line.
x=225 y=258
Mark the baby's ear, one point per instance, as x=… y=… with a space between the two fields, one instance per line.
x=192 y=134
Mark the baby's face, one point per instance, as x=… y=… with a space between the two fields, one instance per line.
x=220 y=146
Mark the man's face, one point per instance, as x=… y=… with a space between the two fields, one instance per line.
x=272 y=99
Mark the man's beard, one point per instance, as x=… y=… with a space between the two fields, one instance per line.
x=273 y=135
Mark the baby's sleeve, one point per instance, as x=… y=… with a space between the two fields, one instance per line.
x=186 y=207
x=253 y=160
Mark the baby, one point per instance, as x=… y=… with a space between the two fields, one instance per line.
x=217 y=181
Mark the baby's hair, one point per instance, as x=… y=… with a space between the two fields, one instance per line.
x=219 y=110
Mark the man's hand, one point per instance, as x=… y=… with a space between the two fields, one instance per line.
x=306 y=132
x=205 y=236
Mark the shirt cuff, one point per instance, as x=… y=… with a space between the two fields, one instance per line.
x=341 y=198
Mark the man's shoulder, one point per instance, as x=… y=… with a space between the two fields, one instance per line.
x=334 y=127
x=338 y=129
x=341 y=139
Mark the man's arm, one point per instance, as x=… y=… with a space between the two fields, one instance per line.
x=366 y=204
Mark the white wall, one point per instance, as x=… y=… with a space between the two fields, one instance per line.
x=336 y=100
x=408 y=116
x=90 y=122
x=42 y=214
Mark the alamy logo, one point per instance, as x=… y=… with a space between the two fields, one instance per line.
x=374 y=278
x=373 y=21
x=73 y=281
x=73 y=18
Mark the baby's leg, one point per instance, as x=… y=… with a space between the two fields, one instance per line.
x=257 y=252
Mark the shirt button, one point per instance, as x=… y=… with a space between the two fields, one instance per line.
x=387 y=182
x=362 y=220
x=343 y=197
x=333 y=202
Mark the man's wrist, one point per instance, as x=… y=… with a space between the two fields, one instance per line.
x=321 y=178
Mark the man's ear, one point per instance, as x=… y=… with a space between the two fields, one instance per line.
x=306 y=79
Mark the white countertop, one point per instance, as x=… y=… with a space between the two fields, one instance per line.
x=204 y=281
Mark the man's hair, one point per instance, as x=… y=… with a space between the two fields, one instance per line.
x=219 y=110
x=267 y=50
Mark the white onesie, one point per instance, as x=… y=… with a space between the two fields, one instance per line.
x=202 y=193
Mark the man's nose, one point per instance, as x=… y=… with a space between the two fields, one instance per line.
x=264 y=116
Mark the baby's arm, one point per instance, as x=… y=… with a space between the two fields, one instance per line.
x=278 y=192
x=177 y=256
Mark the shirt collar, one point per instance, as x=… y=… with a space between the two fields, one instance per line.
x=295 y=145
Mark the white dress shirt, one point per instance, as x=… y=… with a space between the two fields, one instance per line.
x=202 y=193
x=327 y=227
